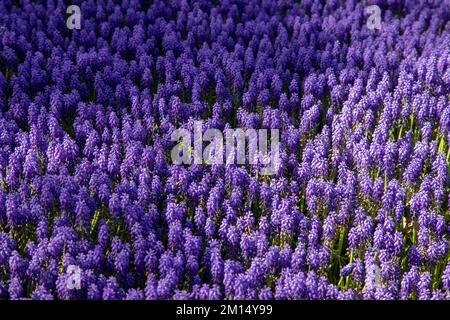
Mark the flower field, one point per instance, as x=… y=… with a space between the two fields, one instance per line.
x=92 y=206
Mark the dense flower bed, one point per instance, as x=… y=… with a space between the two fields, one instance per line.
x=359 y=207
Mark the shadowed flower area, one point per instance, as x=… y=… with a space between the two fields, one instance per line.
x=93 y=207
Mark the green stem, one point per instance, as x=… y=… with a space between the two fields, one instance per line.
x=414 y=237
x=400 y=133
x=441 y=145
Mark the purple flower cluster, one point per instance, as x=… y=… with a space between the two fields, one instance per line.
x=359 y=206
